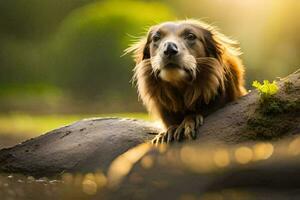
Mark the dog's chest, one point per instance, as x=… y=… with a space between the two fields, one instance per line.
x=176 y=100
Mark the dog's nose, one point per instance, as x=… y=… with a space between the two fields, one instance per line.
x=171 y=49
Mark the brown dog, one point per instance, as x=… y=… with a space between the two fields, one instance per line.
x=184 y=71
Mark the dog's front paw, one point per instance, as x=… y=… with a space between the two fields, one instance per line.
x=165 y=137
x=188 y=128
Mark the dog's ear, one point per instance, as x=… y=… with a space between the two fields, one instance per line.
x=216 y=44
x=212 y=47
x=140 y=49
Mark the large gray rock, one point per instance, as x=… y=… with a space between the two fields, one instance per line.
x=92 y=144
x=84 y=146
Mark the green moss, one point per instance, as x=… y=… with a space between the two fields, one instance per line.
x=275 y=106
x=269 y=103
x=274 y=118
x=288 y=87
x=275 y=115
x=268 y=127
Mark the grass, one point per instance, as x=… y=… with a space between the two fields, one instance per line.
x=25 y=125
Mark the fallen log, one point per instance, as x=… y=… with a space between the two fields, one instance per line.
x=92 y=144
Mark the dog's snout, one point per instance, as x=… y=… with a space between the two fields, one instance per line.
x=170 y=49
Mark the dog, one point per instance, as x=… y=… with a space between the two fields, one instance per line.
x=184 y=71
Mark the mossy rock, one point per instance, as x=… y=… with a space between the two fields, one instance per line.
x=278 y=114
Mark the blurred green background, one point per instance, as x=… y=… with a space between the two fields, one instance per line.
x=60 y=60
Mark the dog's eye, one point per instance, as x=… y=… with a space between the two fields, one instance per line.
x=190 y=36
x=156 y=37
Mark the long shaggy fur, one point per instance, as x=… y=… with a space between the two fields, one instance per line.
x=218 y=79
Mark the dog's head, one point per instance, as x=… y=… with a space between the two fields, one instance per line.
x=178 y=50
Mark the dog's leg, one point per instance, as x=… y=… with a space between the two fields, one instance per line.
x=171 y=120
x=188 y=128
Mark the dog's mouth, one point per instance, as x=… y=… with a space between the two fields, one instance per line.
x=174 y=66
x=174 y=73
x=171 y=65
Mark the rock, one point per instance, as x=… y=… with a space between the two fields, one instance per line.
x=84 y=146
x=92 y=144
x=241 y=121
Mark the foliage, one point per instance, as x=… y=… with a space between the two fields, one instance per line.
x=90 y=41
x=266 y=90
x=269 y=104
x=272 y=105
x=81 y=58
x=24 y=125
x=72 y=48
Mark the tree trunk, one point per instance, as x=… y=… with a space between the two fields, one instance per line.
x=92 y=144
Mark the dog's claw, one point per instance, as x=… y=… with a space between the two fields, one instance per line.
x=157 y=138
x=186 y=130
x=198 y=120
x=165 y=137
x=178 y=133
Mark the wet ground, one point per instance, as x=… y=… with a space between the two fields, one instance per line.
x=85 y=187
x=67 y=186
x=64 y=187
x=94 y=186
x=13 y=186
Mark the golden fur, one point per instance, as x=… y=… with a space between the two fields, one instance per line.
x=217 y=79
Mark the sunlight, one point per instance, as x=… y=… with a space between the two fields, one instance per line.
x=263 y=151
x=293 y=148
x=243 y=155
x=122 y=165
x=221 y=158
